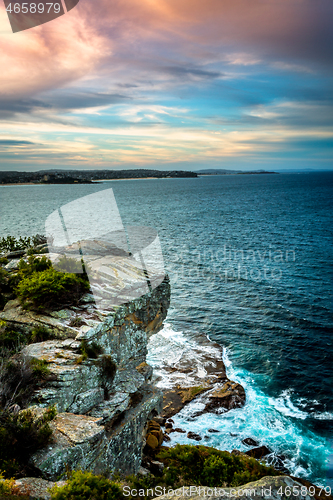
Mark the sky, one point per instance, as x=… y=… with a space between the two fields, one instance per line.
x=170 y=84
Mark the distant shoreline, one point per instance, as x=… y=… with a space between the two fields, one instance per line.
x=99 y=181
x=236 y=173
x=137 y=179
x=87 y=176
x=95 y=181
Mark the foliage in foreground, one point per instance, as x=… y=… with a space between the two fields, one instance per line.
x=20 y=436
x=210 y=467
x=4 y=283
x=87 y=486
x=186 y=465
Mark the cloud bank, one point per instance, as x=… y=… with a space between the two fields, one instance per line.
x=177 y=82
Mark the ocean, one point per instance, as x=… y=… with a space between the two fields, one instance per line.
x=250 y=263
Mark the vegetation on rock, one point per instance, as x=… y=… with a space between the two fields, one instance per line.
x=90 y=350
x=19 y=378
x=51 y=289
x=67 y=265
x=12 y=340
x=40 y=333
x=210 y=467
x=5 y=287
x=20 y=436
x=12 y=244
x=37 y=283
x=87 y=486
x=202 y=466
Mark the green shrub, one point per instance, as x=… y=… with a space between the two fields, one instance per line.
x=68 y=265
x=11 y=244
x=10 y=339
x=4 y=286
x=51 y=289
x=20 y=436
x=87 y=486
x=20 y=376
x=40 y=369
x=5 y=486
x=186 y=465
x=40 y=333
x=33 y=265
x=201 y=465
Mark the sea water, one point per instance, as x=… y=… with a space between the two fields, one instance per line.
x=250 y=263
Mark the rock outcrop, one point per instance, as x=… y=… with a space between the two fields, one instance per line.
x=97 y=377
x=190 y=369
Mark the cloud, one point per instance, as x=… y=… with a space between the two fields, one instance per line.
x=190 y=73
x=48 y=56
x=301 y=115
x=143 y=81
x=124 y=39
x=13 y=142
x=66 y=100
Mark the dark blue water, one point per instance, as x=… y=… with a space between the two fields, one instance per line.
x=250 y=261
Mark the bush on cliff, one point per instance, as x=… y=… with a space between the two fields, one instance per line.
x=87 y=486
x=186 y=465
x=20 y=436
x=51 y=289
x=12 y=340
x=201 y=465
x=67 y=265
x=12 y=244
x=20 y=376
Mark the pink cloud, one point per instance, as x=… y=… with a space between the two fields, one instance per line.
x=110 y=41
x=48 y=56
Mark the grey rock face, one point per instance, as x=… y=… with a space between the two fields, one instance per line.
x=99 y=381
x=83 y=442
x=17 y=317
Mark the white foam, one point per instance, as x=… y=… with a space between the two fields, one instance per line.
x=170 y=351
x=274 y=422
x=284 y=405
x=326 y=415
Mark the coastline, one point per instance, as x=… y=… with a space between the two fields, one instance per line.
x=95 y=181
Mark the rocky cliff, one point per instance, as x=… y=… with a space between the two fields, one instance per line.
x=97 y=377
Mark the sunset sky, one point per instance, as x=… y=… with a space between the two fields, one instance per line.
x=170 y=84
